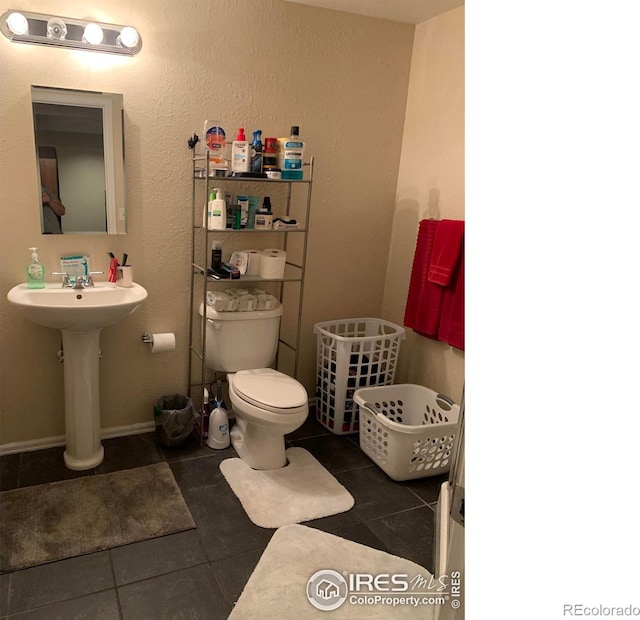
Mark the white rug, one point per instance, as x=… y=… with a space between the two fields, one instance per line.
x=287 y=570
x=301 y=491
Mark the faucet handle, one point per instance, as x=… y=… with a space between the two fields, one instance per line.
x=66 y=282
x=89 y=278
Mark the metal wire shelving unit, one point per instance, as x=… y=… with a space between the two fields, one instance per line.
x=201 y=282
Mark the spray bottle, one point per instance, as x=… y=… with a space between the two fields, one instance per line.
x=256 y=151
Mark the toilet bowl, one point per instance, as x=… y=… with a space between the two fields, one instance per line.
x=268 y=404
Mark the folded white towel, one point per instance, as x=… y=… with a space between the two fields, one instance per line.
x=240 y=300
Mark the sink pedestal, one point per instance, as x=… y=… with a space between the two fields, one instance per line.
x=82 y=399
x=80 y=314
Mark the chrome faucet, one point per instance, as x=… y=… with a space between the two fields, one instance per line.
x=79 y=282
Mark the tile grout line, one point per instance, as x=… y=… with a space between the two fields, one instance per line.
x=56 y=602
x=171 y=572
x=115 y=588
x=397 y=512
x=416 y=495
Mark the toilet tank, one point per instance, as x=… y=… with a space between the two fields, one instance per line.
x=241 y=340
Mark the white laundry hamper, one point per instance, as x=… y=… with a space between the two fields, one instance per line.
x=352 y=353
x=408 y=430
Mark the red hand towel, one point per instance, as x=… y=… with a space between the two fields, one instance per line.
x=451 y=328
x=424 y=300
x=446 y=250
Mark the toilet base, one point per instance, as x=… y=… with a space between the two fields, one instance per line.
x=256 y=447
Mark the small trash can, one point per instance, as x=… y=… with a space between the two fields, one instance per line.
x=175 y=419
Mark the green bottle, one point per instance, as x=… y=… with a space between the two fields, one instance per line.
x=35 y=271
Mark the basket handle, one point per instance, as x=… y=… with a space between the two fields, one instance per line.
x=370 y=406
x=411 y=429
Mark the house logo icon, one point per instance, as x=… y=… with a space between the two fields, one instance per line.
x=327 y=590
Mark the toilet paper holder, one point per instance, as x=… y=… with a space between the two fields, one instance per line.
x=160 y=343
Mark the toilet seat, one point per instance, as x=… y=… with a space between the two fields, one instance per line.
x=270 y=390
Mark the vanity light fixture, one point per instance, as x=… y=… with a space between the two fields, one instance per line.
x=25 y=27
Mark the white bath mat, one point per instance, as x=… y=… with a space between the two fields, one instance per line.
x=281 y=584
x=301 y=491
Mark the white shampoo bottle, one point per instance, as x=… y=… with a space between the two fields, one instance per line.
x=217 y=210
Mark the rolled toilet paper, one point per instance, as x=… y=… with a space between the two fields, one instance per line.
x=253 y=268
x=163 y=343
x=272 y=264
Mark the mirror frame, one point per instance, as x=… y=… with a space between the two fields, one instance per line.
x=112 y=108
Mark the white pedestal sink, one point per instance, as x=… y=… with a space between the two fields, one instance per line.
x=80 y=314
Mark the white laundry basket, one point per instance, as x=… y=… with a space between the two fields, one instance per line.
x=409 y=431
x=352 y=353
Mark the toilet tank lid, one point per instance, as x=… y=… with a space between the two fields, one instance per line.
x=250 y=315
x=269 y=387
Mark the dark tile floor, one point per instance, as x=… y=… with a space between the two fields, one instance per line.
x=199 y=574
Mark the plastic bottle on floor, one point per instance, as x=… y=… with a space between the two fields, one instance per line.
x=219 y=423
x=219 y=429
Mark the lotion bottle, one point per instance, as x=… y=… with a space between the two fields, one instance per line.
x=35 y=271
x=217 y=210
x=240 y=160
x=208 y=206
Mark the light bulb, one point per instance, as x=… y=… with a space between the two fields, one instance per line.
x=129 y=37
x=18 y=23
x=56 y=29
x=93 y=34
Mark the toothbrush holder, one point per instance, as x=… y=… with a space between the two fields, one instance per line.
x=125 y=277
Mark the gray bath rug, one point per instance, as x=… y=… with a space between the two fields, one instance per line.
x=50 y=522
x=301 y=491
x=285 y=579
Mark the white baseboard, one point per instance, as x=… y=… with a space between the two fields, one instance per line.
x=53 y=442
x=105 y=433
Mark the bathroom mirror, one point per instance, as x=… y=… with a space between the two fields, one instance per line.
x=79 y=142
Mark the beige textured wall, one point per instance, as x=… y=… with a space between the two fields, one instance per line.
x=255 y=63
x=430 y=184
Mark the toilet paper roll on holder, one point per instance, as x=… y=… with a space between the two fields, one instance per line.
x=160 y=343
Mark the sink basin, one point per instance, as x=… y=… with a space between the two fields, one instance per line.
x=77 y=310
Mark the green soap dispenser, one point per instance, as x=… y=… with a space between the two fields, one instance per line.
x=35 y=271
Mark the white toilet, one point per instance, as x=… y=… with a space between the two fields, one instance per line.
x=268 y=404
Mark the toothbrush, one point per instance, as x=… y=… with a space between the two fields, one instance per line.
x=124 y=259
